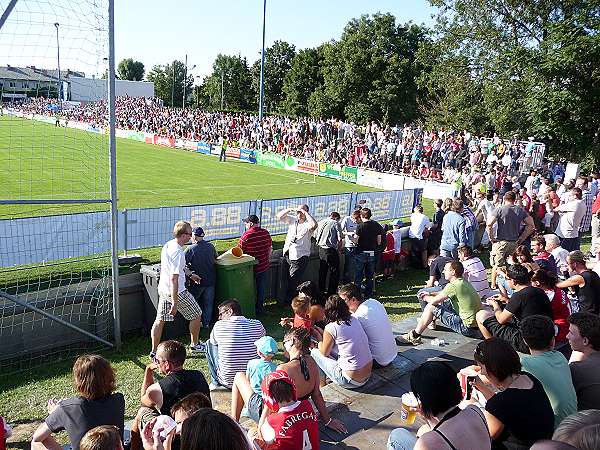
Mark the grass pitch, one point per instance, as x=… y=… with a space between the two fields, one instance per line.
x=41 y=161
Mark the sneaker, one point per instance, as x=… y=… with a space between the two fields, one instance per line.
x=408 y=338
x=432 y=326
x=213 y=386
x=198 y=348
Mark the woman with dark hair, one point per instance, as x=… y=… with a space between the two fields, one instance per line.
x=447 y=426
x=316 y=312
x=97 y=404
x=517 y=411
x=521 y=256
x=354 y=362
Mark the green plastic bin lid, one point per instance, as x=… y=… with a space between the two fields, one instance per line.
x=227 y=259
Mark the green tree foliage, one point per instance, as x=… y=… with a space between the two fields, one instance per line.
x=168 y=82
x=303 y=78
x=131 y=70
x=278 y=61
x=231 y=78
x=535 y=68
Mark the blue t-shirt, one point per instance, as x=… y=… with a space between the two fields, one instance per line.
x=257 y=370
x=201 y=257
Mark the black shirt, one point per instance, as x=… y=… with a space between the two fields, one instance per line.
x=529 y=301
x=436 y=269
x=589 y=294
x=178 y=384
x=526 y=414
x=367 y=233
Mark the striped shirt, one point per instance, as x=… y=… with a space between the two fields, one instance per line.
x=235 y=339
x=257 y=242
x=586 y=221
x=476 y=274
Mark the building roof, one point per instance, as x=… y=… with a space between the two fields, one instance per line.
x=34 y=74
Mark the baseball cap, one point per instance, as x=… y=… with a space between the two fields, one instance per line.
x=252 y=218
x=198 y=231
x=397 y=222
x=266 y=345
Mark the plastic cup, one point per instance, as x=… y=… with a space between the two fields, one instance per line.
x=410 y=405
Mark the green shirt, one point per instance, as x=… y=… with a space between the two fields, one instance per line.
x=464 y=299
x=552 y=369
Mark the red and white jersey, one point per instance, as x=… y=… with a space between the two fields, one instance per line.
x=293 y=427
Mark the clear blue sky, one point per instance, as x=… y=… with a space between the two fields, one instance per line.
x=158 y=31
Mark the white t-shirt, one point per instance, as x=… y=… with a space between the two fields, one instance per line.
x=418 y=223
x=374 y=319
x=397 y=233
x=297 y=240
x=560 y=256
x=348 y=226
x=172 y=261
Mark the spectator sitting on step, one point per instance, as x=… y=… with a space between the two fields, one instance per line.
x=103 y=437
x=231 y=344
x=447 y=426
x=158 y=397
x=561 y=306
x=436 y=281
x=96 y=404
x=517 y=410
x=580 y=430
x=550 y=367
x=317 y=305
x=301 y=307
x=475 y=272
x=180 y=411
x=246 y=385
x=455 y=307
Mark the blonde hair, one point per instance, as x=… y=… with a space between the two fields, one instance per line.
x=181 y=227
x=104 y=437
x=301 y=304
x=93 y=377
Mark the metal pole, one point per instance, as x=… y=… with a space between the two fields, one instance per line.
x=184 y=78
x=112 y=141
x=7 y=12
x=173 y=88
x=222 y=77
x=261 y=99
x=58 y=62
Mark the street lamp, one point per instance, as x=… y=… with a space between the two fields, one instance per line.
x=261 y=99
x=185 y=79
x=56 y=24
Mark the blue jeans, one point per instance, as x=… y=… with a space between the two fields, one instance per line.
x=446 y=314
x=260 y=279
x=332 y=370
x=401 y=439
x=365 y=262
x=205 y=296
x=212 y=360
x=349 y=264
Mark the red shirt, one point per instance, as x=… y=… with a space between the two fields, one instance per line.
x=596 y=205
x=257 y=242
x=561 y=310
x=293 y=427
x=389 y=253
x=302 y=322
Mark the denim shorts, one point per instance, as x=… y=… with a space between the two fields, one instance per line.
x=448 y=317
x=255 y=406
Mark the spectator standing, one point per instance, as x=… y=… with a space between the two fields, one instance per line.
x=173 y=296
x=348 y=226
x=418 y=232
x=433 y=243
x=329 y=238
x=368 y=239
x=296 y=249
x=571 y=215
x=510 y=220
x=472 y=225
x=584 y=282
x=231 y=344
x=454 y=230
x=96 y=404
x=200 y=258
x=584 y=337
x=475 y=271
x=595 y=250
x=374 y=319
x=256 y=241
x=588 y=201
x=550 y=367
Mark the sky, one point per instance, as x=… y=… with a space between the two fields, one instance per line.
x=156 y=32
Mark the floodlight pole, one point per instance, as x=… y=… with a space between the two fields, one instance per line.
x=56 y=24
x=261 y=99
x=173 y=88
x=113 y=172
x=222 y=82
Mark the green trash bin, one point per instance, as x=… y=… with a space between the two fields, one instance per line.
x=235 y=279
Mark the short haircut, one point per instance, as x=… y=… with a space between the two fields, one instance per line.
x=304 y=207
x=335 y=215
x=282 y=391
x=499 y=358
x=104 y=437
x=466 y=251
x=457 y=205
x=336 y=310
x=301 y=304
x=439 y=202
x=350 y=290
x=93 y=377
x=539 y=238
x=300 y=338
x=355 y=214
x=419 y=208
x=577 y=256
x=210 y=429
x=191 y=403
x=174 y=352
x=365 y=213
x=232 y=304
x=581 y=430
x=545 y=278
x=577 y=192
x=519 y=274
x=588 y=325
x=552 y=239
x=181 y=227
x=457 y=267
x=425 y=381
x=537 y=331
x=510 y=196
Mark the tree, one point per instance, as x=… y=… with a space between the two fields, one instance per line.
x=230 y=84
x=168 y=82
x=278 y=61
x=131 y=70
x=303 y=78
